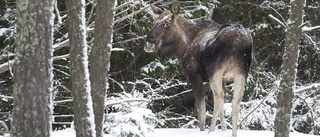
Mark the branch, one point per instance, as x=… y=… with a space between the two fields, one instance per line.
x=278 y=21
x=62 y=101
x=307 y=29
x=134 y=13
x=126 y=100
x=274 y=87
x=123 y=5
x=4 y=96
x=129 y=40
x=175 y=95
x=61 y=45
x=304 y=88
x=310 y=109
x=61 y=57
x=5 y=66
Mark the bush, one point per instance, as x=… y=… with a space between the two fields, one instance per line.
x=130 y=116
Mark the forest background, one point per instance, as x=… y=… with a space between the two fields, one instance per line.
x=158 y=84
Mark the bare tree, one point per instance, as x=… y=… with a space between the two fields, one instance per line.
x=80 y=83
x=33 y=69
x=100 y=59
x=289 y=69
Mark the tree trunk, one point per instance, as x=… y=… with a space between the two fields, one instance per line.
x=80 y=83
x=289 y=69
x=32 y=112
x=100 y=58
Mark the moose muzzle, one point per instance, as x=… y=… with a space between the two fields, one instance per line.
x=149 y=47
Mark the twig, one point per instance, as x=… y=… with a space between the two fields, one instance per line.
x=303 y=24
x=5 y=66
x=129 y=40
x=91 y=13
x=4 y=96
x=126 y=100
x=173 y=96
x=62 y=101
x=123 y=5
x=273 y=88
x=307 y=29
x=277 y=20
x=61 y=44
x=61 y=57
x=311 y=112
x=134 y=13
x=314 y=86
x=119 y=84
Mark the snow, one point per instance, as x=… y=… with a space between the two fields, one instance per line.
x=153 y=66
x=184 y=132
x=306 y=29
x=3 y=30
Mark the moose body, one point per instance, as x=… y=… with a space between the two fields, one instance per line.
x=208 y=52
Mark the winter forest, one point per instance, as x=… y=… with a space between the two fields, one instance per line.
x=81 y=64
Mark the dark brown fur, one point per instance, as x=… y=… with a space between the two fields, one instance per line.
x=209 y=52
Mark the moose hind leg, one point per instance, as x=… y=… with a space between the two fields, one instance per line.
x=218 y=95
x=201 y=108
x=199 y=95
x=222 y=118
x=239 y=82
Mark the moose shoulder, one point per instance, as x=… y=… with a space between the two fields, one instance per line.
x=208 y=52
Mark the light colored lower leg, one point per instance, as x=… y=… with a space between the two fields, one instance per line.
x=217 y=107
x=218 y=94
x=222 y=118
x=237 y=97
x=201 y=113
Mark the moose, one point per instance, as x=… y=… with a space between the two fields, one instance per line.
x=208 y=52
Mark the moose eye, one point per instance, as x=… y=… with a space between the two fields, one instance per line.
x=166 y=25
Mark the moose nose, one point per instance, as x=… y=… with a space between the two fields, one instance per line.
x=148 y=44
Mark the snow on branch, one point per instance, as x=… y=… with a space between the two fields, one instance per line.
x=5 y=98
x=5 y=66
x=111 y=103
x=62 y=101
x=307 y=29
x=304 y=88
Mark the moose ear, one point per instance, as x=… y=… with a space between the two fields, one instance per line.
x=175 y=8
x=156 y=10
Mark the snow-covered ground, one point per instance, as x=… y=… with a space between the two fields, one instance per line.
x=182 y=132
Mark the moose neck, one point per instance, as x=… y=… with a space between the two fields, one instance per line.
x=187 y=31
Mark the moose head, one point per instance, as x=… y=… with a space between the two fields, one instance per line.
x=165 y=35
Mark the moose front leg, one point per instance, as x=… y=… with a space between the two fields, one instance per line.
x=199 y=95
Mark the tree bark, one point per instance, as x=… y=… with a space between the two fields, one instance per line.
x=100 y=59
x=289 y=69
x=80 y=83
x=32 y=112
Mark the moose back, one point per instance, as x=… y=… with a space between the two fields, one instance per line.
x=208 y=52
